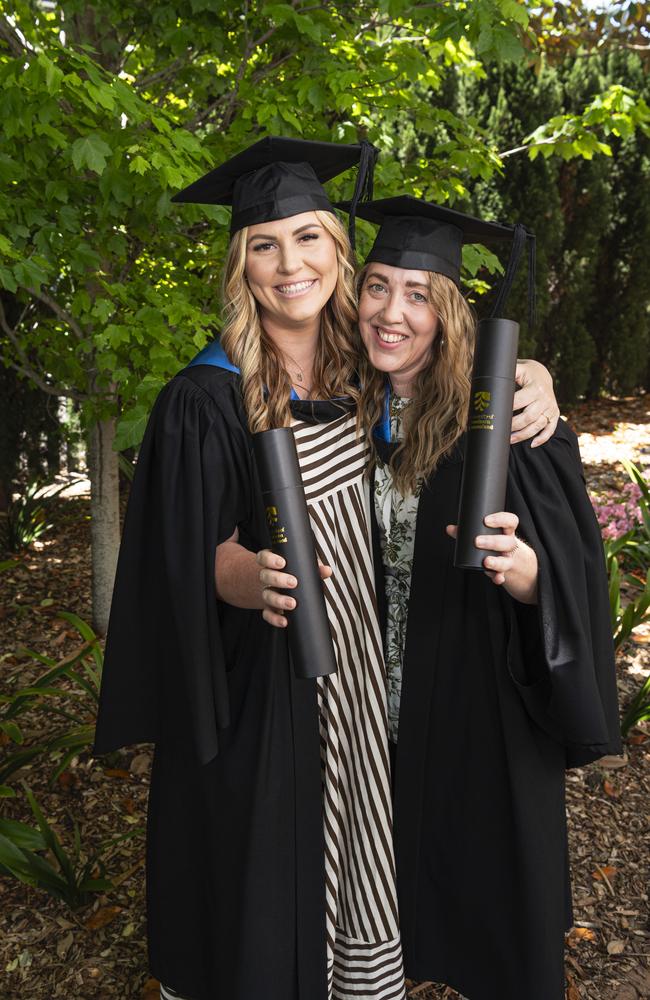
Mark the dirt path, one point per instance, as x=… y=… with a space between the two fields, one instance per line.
x=48 y=952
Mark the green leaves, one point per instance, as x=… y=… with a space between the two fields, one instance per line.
x=124 y=284
x=92 y=152
x=618 y=112
x=131 y=428
x=61 y=874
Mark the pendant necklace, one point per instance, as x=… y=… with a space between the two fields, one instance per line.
x=299 y=373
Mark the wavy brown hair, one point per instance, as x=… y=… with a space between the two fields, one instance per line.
x=437 y=414
x=260 y=362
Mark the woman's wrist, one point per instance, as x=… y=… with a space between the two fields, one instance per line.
x=237 y=576
x=521 y=581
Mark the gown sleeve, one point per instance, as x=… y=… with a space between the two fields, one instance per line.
x=561 y=653
x=164 y=669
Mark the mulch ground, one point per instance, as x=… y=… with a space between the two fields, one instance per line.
x=48 y=951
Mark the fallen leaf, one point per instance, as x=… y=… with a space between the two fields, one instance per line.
x=572 y=992
x=637 y=738
x=64 y=944
x=604 y=873
x=128 y=804
x=116 y=772
x=102 y=917
x=612 y=763
x=610 y=789
x=615 y=947
x=151 y=990
x=140 y=764
x=578 y=934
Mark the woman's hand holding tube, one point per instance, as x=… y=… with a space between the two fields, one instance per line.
x=236 y=574
x=536 y=400
x=272 y=580
x=515 y=567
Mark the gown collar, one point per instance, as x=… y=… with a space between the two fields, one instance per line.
x=215 y=355
x=382 y=429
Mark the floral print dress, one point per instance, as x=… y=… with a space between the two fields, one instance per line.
x=396 y=517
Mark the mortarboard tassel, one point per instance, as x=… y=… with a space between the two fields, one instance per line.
x=519 y=238
x=363 y=188
x=518 y=243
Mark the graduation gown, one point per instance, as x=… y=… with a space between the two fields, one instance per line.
x=498 y=698
x=235 y=845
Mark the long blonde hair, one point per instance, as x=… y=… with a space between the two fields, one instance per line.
x=249 y=347
x=437 y=414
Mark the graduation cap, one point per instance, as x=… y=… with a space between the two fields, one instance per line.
x=278 y=177
x=425 y=237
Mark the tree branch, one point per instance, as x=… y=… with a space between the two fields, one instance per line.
x=59 y=311
x=141 y=84
x=265 y=70
x=12 y=37
x=522 y=149
x=40 y=382
x=231 y=97
x=25 y=368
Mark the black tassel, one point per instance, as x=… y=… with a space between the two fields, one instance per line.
x=363 y=188
x=518 y=243
x=520 y=236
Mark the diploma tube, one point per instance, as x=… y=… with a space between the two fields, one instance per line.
x=310 y=639
x=487 y=447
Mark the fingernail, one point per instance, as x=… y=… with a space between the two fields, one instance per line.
x=292 y=582
x=290 y=604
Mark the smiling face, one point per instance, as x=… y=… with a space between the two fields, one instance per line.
x=398 y=322
x=292 y=269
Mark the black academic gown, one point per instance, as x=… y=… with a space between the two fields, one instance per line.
x=498 y=699
x=235 y=869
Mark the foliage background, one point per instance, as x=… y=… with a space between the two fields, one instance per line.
x=107 y=108
x=526 y=112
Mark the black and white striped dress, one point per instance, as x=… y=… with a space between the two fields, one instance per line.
x=363 y=946
x=364 y=955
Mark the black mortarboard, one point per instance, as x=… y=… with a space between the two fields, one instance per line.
x=417 y=234
x=278 y=177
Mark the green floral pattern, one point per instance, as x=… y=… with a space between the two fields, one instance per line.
x=396 y=517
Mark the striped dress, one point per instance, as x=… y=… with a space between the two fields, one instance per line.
x=364 y=955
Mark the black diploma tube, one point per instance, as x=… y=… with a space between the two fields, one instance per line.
x=310 y=639
x=485 y=469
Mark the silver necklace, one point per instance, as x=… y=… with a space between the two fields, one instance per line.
x=299 y=373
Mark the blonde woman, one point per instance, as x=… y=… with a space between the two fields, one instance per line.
x=497 y=681
x=270 y=859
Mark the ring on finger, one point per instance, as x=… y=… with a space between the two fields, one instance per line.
x=548 y=419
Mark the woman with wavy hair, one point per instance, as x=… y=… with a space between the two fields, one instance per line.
x=269 y=849
x=496 y=682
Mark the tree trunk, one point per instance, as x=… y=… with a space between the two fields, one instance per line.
x=104 y=518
